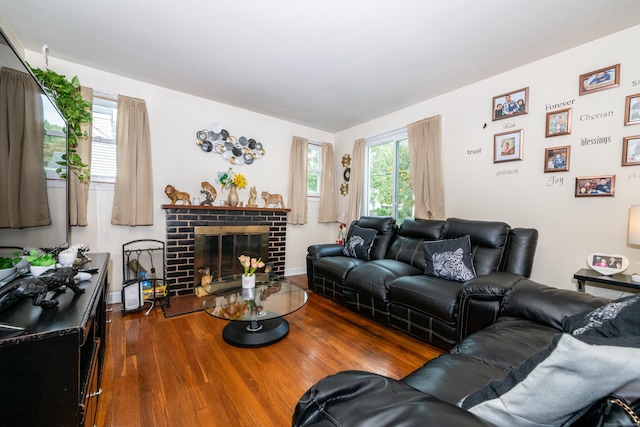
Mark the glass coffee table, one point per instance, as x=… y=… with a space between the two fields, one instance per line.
x=256 y=316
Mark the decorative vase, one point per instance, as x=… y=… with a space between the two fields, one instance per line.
x=249 y=282
x=233 y=196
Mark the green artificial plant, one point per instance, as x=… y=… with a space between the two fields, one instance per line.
x=40 y=259
x=75 y=110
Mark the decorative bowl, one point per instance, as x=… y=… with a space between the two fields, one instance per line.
x=6 y=272
x=37 y=270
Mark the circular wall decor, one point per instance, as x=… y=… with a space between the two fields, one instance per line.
x=347 y=174
x=238 y=151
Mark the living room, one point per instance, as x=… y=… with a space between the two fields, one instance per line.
x=518 y=192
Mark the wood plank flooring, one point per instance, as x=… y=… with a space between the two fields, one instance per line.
x=179 y=372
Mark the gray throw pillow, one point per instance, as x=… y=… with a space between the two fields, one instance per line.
x=449 y=259
x=359 y=242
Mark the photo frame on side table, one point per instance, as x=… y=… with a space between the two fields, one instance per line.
x=595 y=81
x=607 y=264
x=631 y=150
x=556 y=159
x=599 y=185
x=510 y=104
x=632 y=110
x=558 y=123
x=507 y=146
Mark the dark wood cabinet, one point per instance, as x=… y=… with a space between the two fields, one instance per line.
x=50 y=372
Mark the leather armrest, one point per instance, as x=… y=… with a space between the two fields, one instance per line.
x=326 y=249
x=480 y=300
x=355 y=398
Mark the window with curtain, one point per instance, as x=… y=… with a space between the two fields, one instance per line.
x=55 y=141
x=103 y=149
x=314 y=169
x=388 y=189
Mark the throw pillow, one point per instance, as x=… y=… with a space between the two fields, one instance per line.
x=618 y=318
x=450 y=259
x=550 y=386
x=359 y=242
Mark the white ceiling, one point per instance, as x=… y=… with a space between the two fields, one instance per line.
x=328 y=64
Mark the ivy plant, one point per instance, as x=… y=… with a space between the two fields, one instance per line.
x=75 y=110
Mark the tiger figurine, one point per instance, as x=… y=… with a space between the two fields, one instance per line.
x=209 y=192
x=272 y=199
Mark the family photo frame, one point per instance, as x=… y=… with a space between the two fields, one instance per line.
x=595 y=186
x=632 y=110
x=556 y=159
x=631 y=150
x=507 y=146
x=595 y=81
x=558 y=123
x=510 y=104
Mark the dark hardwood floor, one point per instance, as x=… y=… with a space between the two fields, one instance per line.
x=178 y=371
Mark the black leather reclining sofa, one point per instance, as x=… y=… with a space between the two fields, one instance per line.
x=388 y=282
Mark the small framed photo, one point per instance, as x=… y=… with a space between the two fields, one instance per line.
x=607 y=264
x=556 y=159
x=602 y=185
x=507 y=146
x=604 y=78
x=631 y=150
x=632 y=110
x=510 y=104
x=558 y=123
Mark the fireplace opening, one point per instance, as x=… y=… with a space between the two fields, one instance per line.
x=218 y=248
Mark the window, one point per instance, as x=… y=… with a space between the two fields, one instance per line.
x=314 y=169
x=55 y=141
x=388 y=189
x=103 y=148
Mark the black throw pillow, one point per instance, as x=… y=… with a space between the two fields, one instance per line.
x=359 y=242
x=449 y=259
x=616 y=319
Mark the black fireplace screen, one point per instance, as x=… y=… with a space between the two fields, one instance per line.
x=218 y=248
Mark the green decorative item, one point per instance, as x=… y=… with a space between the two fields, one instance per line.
x=75 y=110
x=40 y=259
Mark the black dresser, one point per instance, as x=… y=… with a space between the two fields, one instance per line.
x=50 y=373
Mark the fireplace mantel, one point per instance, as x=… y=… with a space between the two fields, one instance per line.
x=181 y=221
x=226 y=208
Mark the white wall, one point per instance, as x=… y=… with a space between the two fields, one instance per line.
x=174 y=120
x=570 y=228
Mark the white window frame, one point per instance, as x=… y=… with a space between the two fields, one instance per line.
x=394 y=137
x=104 y=144
x=316 y=147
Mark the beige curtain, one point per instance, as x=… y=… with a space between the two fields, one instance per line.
x=356 y=183
x=298 y=181
x=425 y=166
x=79 y=190
x=23 y=184
x=133 y=192
x=328 y=191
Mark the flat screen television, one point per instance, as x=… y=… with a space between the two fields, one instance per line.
x=33 y=197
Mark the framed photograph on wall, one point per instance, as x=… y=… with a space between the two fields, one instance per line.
x=510 y=104
x=631 y=150
x=604 y=78
x=600 y=185
x=558 y=123
x=507 y=146
x=556 y=159
x=632 y=110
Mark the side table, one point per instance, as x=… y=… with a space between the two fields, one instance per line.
x=620 y=280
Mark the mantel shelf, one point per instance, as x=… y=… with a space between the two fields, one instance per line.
x=226 y=208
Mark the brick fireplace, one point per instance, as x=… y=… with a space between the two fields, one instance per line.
x=181 y=223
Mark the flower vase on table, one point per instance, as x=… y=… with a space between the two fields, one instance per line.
x=249 y=282
x=231 y=181
x=233 y=198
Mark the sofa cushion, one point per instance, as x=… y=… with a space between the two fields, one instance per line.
x=427 y=294
x=449 y=259
x=618 y=318
x=358 y=244
x=488 y=241
x=407 y=245
x=553 y=384
x=373 y=278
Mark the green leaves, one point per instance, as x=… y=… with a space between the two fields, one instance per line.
x=75 y=110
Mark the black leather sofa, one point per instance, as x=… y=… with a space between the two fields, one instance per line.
x=531 y=320
x=393 y=288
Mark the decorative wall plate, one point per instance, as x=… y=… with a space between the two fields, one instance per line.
x=238 y=151
x=607 y=264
